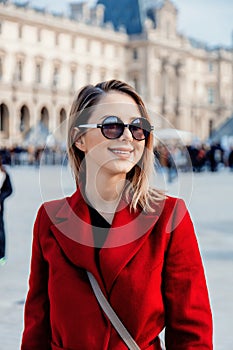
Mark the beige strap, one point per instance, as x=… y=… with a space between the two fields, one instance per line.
x=108 y=310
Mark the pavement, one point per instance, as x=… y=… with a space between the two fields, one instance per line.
x=209 y=197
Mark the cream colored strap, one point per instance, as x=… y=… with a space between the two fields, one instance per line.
x=116 y=322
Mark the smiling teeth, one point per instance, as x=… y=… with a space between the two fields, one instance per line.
x=121 y=152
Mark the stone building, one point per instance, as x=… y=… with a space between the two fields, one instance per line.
x=46 y=57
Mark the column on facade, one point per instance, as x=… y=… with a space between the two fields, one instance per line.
x=13 y=122
x=163 y=85
x=179 y=93
x=171 y=101
x=157 y=83
x=89 y=72
x=168 y=98
x=147 y=66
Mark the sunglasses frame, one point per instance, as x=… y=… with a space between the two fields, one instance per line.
x=120 y=122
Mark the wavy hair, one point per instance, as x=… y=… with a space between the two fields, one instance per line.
x=138 y=191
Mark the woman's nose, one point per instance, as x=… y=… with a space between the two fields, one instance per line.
x=127 y=135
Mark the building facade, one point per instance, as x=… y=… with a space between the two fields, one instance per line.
x=46 y=57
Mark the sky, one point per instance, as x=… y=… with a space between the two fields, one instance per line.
x=209 y=21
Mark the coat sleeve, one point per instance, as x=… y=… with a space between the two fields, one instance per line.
x=36 y=333
x=188 y=313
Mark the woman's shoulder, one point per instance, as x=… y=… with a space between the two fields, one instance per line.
x=55 y=203
x=172 y=201
x=159 y=197
x=167 y=205
x=51 y=209
x=62 y=207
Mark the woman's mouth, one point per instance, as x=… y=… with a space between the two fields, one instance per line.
x=124 y=153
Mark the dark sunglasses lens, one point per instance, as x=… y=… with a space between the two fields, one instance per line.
x=112 y=128
x=140 y=128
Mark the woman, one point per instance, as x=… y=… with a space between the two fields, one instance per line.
x=138 y=244
x=5 y=191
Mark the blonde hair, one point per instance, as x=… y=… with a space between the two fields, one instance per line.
x=138 y=191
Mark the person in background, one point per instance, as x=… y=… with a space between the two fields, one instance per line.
x=137 y=243
x=5 y=191
x=230 y=159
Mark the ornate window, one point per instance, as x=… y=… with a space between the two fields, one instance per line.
x=211 y=95
x=20 y=31
x=19 y=70
x=73 y=42
x=73 y=73
x=135 y=54
x=57 y=39
x=102 y=74
x=88 y=45
x=210 y=66
x=38 y=73
x=39 y=34
x=55 y=76
x=88 y=74
x=168 y=29
x=136 y=83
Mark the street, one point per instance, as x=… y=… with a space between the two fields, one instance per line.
x=209 y=197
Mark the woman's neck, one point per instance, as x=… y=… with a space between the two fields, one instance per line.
x=104 y=192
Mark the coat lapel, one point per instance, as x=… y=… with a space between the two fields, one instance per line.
x=126 y=236
x=73 y=231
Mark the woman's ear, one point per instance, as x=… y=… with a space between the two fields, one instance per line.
x=80 y=143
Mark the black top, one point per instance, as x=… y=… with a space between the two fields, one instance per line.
x=100 y=226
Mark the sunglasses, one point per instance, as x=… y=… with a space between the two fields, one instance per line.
x=113 y=127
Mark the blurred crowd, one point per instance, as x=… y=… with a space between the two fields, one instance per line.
x=194 y=157
x=33 y=156
x=171 y=157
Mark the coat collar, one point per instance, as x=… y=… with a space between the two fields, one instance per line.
x=73 y=231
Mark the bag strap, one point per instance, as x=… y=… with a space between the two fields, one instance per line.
x=108 y=310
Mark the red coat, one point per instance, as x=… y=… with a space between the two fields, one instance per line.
x=153 y=281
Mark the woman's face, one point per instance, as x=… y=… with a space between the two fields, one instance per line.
x=116 y=156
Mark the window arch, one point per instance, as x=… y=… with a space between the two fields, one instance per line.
x=44 y=117
x=24 y=119
x=62 y=115
x=62 y=121
x=4 y=121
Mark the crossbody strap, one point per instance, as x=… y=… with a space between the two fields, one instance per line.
x=116 y=322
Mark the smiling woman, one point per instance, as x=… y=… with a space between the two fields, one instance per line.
x=105 y=141
x=132 y=244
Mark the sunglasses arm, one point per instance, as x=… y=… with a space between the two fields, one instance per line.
x=88 y=126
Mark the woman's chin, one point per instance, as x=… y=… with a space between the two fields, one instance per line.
x=119 y=167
